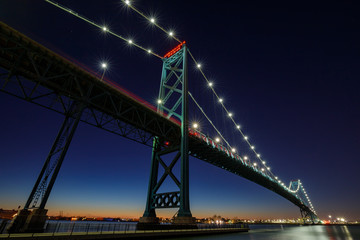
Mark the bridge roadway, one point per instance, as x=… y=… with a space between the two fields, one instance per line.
x=36 y=74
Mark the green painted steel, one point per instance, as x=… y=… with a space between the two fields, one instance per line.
x=173 y=103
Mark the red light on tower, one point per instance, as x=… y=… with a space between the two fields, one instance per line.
x=174 y=50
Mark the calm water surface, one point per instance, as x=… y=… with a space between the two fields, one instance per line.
x=289 y=233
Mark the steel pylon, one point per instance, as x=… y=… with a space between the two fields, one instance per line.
x=34 y=221
x=172 y=103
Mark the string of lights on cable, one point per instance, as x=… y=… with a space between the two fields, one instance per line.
x=104 y=28
x=220 y=100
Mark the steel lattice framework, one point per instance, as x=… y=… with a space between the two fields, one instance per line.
x=34 y=73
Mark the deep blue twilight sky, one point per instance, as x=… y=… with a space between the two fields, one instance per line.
x=288 y=70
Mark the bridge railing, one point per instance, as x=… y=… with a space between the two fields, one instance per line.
x=69 y=228
x=229 y=152
x=246 y=162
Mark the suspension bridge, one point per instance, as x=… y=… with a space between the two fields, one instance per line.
x=36 y=74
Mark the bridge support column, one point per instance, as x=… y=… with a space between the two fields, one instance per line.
x=34 y=221
x=307 y=215
x=173 y=93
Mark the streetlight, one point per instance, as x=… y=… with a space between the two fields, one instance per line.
x=103 y=66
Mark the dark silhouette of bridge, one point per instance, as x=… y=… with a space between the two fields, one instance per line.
x=35 y=74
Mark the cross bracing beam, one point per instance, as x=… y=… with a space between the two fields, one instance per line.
x=34 y=73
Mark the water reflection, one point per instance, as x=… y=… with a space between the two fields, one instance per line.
x=285 y=232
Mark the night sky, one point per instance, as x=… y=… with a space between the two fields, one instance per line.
x=289 y=71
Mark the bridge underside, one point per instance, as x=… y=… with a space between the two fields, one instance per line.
x=34 y=73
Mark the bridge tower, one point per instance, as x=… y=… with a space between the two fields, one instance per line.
x=172 y=103
x=33 y=216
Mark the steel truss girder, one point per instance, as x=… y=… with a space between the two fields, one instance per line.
x=203 y=151
x=33 y=73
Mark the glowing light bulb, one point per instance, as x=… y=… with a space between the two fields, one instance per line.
x=246 y=137
x=268 y=168
x=199 y=65
x=263 y=162
x=253 y=147
x=210 y=84
x=217 y=139
x=127 y=2
x=238 y=126
x=258 y=155
x=230 y=114
x=195 y=125
x=104 y=29
x=149 y=51
x=171 y=33
x=245 y=157
x=104 y=65
x=276 y=178
x=262 y=169
x=159 y=101
x=221 y=100
x=255 y=164
x=130 y=41
x=233 y=150
x=152 y=20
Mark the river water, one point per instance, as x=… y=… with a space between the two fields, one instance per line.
x=257 y=232
x=268 y=232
